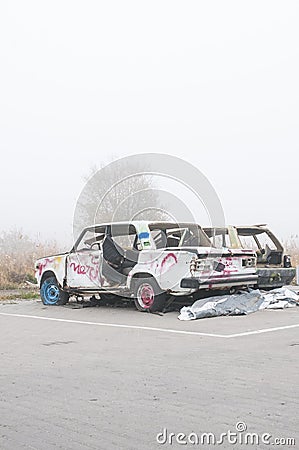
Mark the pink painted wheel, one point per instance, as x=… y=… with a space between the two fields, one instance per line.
x=145 y=295
x=148 y=295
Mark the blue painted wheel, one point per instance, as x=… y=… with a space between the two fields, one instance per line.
x=51 y=294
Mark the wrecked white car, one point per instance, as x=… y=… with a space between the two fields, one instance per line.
x=274 y=267
x=144 y=261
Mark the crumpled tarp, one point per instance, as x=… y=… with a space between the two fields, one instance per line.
x=238 y=304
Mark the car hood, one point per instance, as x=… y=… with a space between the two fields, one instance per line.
x=57 y=255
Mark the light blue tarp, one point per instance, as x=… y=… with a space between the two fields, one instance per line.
x=239 y=304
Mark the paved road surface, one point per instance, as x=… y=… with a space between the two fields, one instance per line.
x=71 y=383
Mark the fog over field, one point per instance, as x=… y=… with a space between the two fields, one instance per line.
x=213 y=83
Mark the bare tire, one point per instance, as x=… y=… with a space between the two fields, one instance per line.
x=51 y=294
x=148 y=295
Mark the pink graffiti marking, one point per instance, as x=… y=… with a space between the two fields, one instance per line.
x=43 y=265
x=91 y=271
x=168 y=261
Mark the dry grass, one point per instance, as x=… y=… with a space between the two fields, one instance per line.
x=18 y=253
x=291 y=246
x=20 y=294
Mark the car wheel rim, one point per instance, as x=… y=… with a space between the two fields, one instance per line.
x=52 y=294
x=145 y=296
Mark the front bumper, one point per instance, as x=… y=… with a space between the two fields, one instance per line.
x=218 y=282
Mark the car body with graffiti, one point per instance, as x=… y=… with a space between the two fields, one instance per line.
x=144 y=261
x=274 y=266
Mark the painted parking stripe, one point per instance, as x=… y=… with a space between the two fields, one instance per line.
x=263 y=330
x=115 y=325
x=163 y=330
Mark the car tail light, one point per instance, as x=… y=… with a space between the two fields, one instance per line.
x=200 y=265
x=287 y=261
x=248 y=262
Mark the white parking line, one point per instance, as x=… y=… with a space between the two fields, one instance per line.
x=115 y=325
x=263 y=330
x=163 y=330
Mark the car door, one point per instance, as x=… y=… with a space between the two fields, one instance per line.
x=83 y=269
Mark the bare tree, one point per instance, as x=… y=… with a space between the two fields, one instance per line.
x=118 y=193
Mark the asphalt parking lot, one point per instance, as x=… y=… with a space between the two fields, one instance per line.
x=113 y=378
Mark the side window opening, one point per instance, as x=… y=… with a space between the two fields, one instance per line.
x=167 y=236
x=159 y=237
x=248 y=242
x=90 y=241
x=265 y=241
x=127 y=242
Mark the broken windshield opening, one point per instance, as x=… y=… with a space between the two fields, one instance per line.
x=172 y=235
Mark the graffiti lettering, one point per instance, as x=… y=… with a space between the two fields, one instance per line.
x=91 y=271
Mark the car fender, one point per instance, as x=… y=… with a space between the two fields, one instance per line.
x=167 y=267
x=51 y=264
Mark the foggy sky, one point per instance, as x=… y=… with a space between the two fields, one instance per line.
x=214 y=83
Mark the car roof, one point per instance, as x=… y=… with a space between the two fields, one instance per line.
x=249 y=230
x=138 y=223
x=243 y=230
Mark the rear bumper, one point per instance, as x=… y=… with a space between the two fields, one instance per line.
x=272 y=277
x=219 y=282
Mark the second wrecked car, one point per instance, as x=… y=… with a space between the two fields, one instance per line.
x=274 y=266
